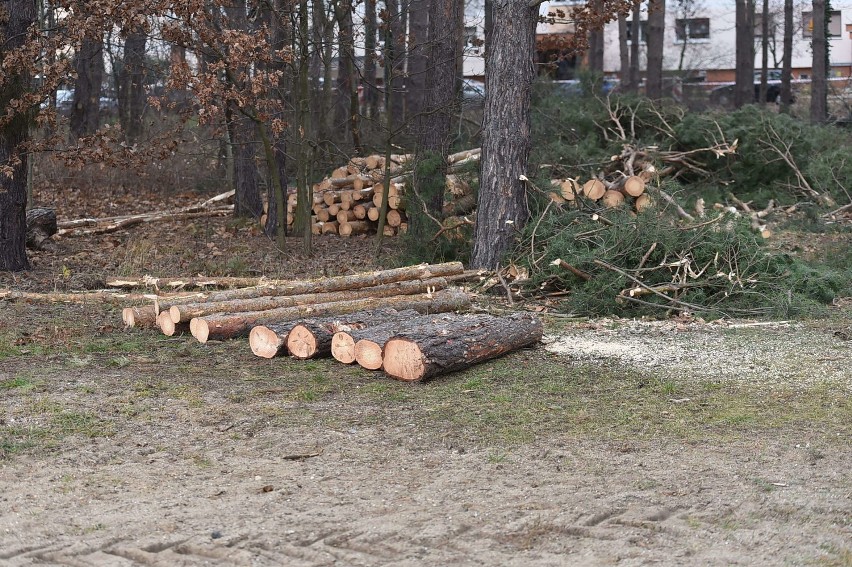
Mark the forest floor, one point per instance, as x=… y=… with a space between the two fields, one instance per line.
x=614 y=442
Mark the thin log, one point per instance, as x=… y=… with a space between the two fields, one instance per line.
x=449 y=347
x=183 y=313
x=169 y=327
x=313 y=338
x=228 y=326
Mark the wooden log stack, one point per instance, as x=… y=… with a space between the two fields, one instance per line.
x=624 y=191
x=408 y=321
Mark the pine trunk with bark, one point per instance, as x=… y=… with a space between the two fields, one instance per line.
x=371 y=93
x=819 y=66
x=624 y=54
x=417 y=79
x=764 y=54
x=85 y=112
x=346 y=106
x=397 y=62
x=502 y=208
x=18 y=16
x=744 y=86
x=635 y=41
x=425 y=352
x=787 y=58
x=656 y=36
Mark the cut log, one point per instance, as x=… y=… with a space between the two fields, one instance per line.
x=374 y=162
x=457 y=157
x=330 y=227
x=457 y=187
x=340 y=283
x=41 y=225
x=612 y=198
x=373 y=212
x=228 y=326
x=323 y=214
x=594 y=189
x=345 y=216
x=333 y=210
x=354 y=227
x=448 y=347
x=368 y=346
x=269 y=341
x=316 y=228
x=395 y=218
x=643 y=202
x=459 y=207
x=169 y=327
x=634 y=186
x=189 y=311
x=128 y=222
x=569 y=188
x=199 y=282
x=362 y=209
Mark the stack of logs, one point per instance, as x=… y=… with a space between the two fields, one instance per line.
x=348 y=202
x=403 y=321
x=627 y=190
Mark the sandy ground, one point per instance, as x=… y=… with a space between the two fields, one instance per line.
x=216 y=486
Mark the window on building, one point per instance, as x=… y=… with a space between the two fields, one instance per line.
x=834 y=24
x=758 y=25
x=692 y=28
x=643 y=31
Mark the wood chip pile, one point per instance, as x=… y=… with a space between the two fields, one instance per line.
x=409 y=322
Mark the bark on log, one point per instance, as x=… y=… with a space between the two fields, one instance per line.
x=269 y=341
x=443 y=348
x=370 y=344
x=344 y=339
x=313 y=338
x=354 y=227
x=460 y=206
x=330 y=227
x=340 y=283
x=41 y=225
x=228 y=326
x=183 y=313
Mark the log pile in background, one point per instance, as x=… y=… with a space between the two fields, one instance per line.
x=392 y=319
x=348 y=202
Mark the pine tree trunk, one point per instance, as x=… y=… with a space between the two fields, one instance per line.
x=89 y=65
x=18 y=17
x=635 y=42
x=131 y=99
x=398 y=34
x=764 y=54
x=371 y=93
x=819 y=67
x=656 y=35
x=744 y=87
x=502 y=207
x=787 y=58
x=419 y=60
x=624 y=54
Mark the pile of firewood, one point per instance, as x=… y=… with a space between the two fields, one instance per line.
x=625 y=190
x=402 y=320
x=348 y=202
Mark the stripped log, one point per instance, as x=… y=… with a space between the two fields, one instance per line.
x=448 y=347
x=343 y=283
x=228 y=326
x=183 y=313
x=313 y=338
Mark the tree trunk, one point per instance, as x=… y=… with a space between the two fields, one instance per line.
x=89 y=65
x=18 y=16
x=744 y=87
x=656 y=36
x=764 y=54
x=218 y=327
x=787 y=58
x=635 y=42
x=419 y=60
x=131 y=92
x=41 y=225
x=819 y=67
x=624 y=54
x=427 y=352
x=397 y=62
x=371 y=93
x=502 y=207
x=247 y=202
x=304 y=198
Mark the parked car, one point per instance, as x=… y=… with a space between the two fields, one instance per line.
x=575 y=87
x=724 y=95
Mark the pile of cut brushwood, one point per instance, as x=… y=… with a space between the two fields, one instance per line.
x=409 y=322
x=349 y=201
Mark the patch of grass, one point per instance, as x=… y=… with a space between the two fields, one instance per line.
x=20 y=382
x=83 y=423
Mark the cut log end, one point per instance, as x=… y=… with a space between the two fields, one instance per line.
x=368 y=354
x=169 y=327
x=199 y=329
x=403 y=360
x=343 y=348
x=128 y=317
x=264 y=342
x=301 y=342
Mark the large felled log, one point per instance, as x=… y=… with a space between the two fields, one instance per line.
x=228 y=326
x=183 y=313
x=354 y=227
x=269 y=341
x=342 y=283
x=448 y=347
x=313 y=338
x=365 y=346
x=41 y=225
x=169 y=327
